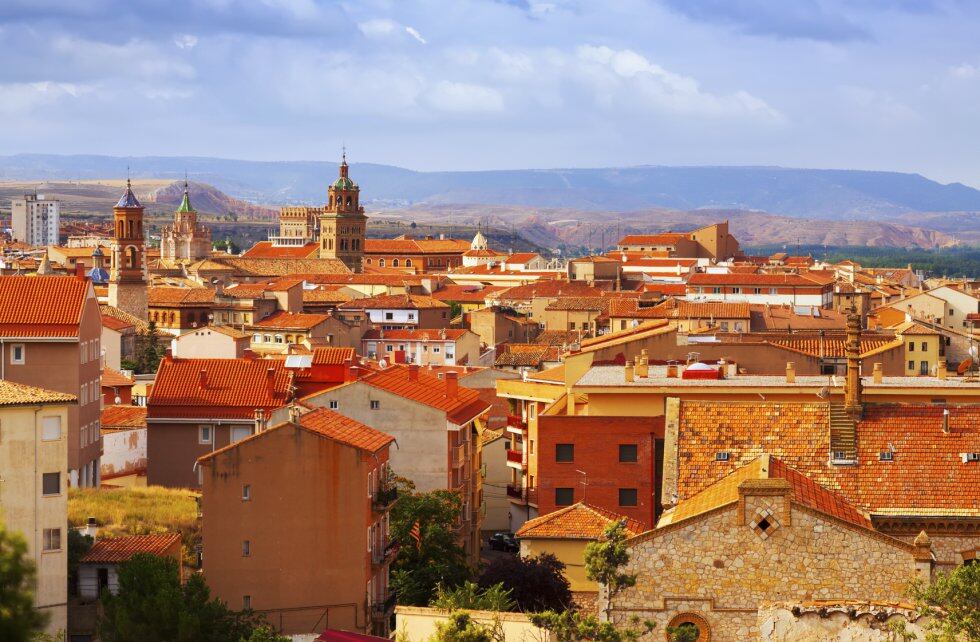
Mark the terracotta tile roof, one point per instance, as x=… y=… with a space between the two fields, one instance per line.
x=141 y=326
x=548 y=289
x=638 y=333
x=326 y=294
x=415 y=246
x=429 y=390
x=231 y=388
x=283 y=320
x=115 y=379
x=282 y=266
x=589 y=303
x=914 y=328
x=785 y=317
x=926 y=475
x=770 y=280
x=443 y=334
x=578 y=521
x=169 y=296
x=227 y=330
x=345 y=430
x=115 y=324
x=484 y=253
x=464 y=293
x=521 y=257
x=266 y=250
x=804 y=491
x=666 y=289
x=394 y=302
x=557 y=337
x=18 y=394
x=119 y=549
x=516 y=355
x=124 y=417
x=245 y=291
x=711 y=309
x=834 y=346
x=41 y=306
x=332 y=356
x=551 y=375
x=667 y=238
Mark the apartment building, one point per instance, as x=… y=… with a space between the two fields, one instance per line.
x=774 y=289
x=305 y=543
x=436 y=423
x=50 y=336
x=197 y=406
x=34 y=487
x=36 y=220
x=399 y=311
x=176 y=310
x=443 y=347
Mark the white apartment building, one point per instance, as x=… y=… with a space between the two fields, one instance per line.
x=36 y=220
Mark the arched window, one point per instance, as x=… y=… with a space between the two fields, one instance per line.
x=408 y=262
x=131 y=259
x=697 y=625
x=369 y=261
x=394 y=263
x=381 y=262
x=348 y=201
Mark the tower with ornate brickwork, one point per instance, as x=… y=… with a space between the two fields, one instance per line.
x=127 y=271
x=185 y=239
x=342 y=222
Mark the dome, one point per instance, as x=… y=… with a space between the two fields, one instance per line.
x=344 y=183
x=479 y=241
x=128 y=199
x=98 y=275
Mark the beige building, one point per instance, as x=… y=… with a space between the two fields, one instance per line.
x=211 y=342
x=442 y=347
x=34 y=486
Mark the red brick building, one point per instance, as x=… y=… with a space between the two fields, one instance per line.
x=416 y=256
x=200 y=405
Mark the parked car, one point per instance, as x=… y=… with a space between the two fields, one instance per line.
x=503 y=542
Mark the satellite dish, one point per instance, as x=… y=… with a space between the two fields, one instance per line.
x=965 y=365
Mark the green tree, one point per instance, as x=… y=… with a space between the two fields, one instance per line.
x=535 y=583
x=437 y=559
x=19 y=620
x=265 y=633
x=574 y=626
x=470 y=596
x=686 y=632
x=604 y=562
x=153 y=605
x=952 y=602
x=150 y=351
x=460 y=627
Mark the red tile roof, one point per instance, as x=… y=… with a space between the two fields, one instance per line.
x=548 y=289
x=332 y=356
x=345 y=430
x=266 y=250
x=283 y=320
x=115 y=324
x=464 y=293
x=578 y=521
x=41 y=306
x=667 y=238
x=231 y=388
x=580 y=303
x=127 y=417
x=415 y=246
x=394 y=302
x=444 y=334
x=170 y=296
x=770 y=280
x=115 y=379
x=430 y=391
x=521 y=257
x=120 y=549
x=245 y=291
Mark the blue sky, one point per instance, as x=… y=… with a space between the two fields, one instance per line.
x=477 y=84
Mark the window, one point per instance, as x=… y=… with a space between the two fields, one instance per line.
x=564 y=496
x=564 y=452
x=389 y=316
x=52 y=539
x=911 y=365
x=279 y=338
x=772 y=290
x=204 y=434
x=246 y=492
x=756 y=290
x=389 y=348
x=17 y=354
x=246 y=602
x=925 y=346
x=627 y=497
x=375 y=404
x=923 y=367
x=257 y=338
x=246 y=548
x=911 y=346
x=268 y=338
x=240 y=432
x=334 y=404
x=51 y=429
x=716 y=290
x=51 y=483
x=627 y=453
x=736 y=290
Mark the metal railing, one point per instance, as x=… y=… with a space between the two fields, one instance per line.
x=515 y=490
x=384 y=497
x=515 y=456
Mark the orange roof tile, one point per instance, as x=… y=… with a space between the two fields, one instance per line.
x=429 y=390
x=443 y=334
x=771 y=280
x=266 y=250
x=126 y=417
x=19 y=394
x=833 y=346
x=548 y=289
x=115 y=324
x=332 y=356
x=115 y=379
x=584 y=303
x=119 y=549
x=464 y=293
x=531 y=355
x=283 y=320
x=578 y=521
x=41 y=306
x=666 y=238
x=170 y=296
x=521 y=257
x=415 y=246
x=395 y=302
x=230 y=387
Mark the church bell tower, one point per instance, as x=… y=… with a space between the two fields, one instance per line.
x=127 y=271
x=342 y=221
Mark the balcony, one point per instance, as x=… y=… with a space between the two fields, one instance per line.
x=515 y=458
x=516 y=425
x=382 y=556
x=515 y=491
x=383 y=610
x=459 y=456
x=383 y=498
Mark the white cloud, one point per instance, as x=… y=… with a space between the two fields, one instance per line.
x=413 y=32
x=963 y=70
x=464 y=97
x=379 y=28
x=185 y=41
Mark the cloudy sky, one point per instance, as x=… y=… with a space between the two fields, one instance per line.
x=476 y=84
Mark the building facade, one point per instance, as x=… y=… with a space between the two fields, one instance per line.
x=36 y=220
x=127 y=273
x=185 y=239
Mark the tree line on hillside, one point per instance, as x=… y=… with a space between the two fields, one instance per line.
x=951 y=262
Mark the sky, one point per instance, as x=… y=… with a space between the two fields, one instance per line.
x=500 y=84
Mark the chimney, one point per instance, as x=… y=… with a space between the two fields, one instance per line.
x=452 y=383
x=643 y=364
x=80 y=270
x=628 y=372
x=248 y=353
x=924 y=559
x=790 y=372
x=91 y=528
x=941 y=369
x=294 y=413
x=349 y=370
x=852 y=391
x=413 y=372
x=672 y=371
x=204 y=378
x=876 y=373
x=270 y=377
x=259 y=419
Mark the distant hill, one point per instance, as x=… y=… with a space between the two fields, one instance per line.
x=810 y=193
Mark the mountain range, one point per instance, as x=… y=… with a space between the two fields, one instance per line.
x=865 y=207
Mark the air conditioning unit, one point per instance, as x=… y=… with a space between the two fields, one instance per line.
x=722 y=456
x=886 y=456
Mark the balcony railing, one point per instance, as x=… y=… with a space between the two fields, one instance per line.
x=384 y=497
x=380 y=556
x=459 y=456
x=515 y=490
x=516 y=423
x=515 y=456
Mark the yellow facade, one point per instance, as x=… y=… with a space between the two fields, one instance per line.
x=921 y=354
x=34 y=496
x=571 y=552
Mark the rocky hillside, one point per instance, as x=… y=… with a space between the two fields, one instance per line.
x=206 y=198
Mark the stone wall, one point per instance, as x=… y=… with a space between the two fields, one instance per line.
x=948 y=549
x=716 y=567
x=837 y=623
